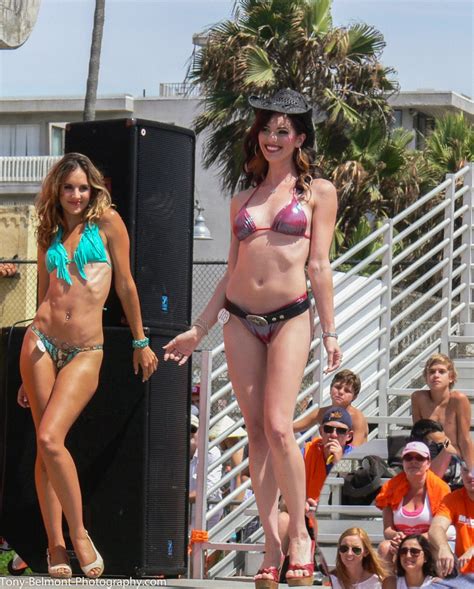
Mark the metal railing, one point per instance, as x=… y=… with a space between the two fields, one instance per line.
x=27 y=168
x=179 y=90
x=394 y=308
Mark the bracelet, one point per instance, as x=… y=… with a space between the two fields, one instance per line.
x=201 y=324
x=329 y=334
x=139 y=344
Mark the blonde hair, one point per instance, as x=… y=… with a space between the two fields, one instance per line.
x=439 y=358
x=256 y=166
x=48 y=207
x=370 y=562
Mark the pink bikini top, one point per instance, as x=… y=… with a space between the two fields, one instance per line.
x=290 y=220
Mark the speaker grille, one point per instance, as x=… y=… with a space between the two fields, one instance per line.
x=163 y=253
x=131 y=449
x=149 y=168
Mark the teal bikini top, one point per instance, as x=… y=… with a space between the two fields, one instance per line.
x=89 y=249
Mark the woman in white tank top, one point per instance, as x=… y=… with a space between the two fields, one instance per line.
x=415 y=565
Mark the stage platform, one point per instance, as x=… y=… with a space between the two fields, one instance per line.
x=39 y=582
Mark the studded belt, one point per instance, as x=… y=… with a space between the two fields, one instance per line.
x=287 y=312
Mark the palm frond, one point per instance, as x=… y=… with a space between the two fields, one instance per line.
x=259 y=67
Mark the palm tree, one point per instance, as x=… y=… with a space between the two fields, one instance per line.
x=376 y=176
x=270 y=44
x=94 y=61
x=451 y=144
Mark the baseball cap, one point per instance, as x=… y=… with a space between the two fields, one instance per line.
x=337 y=414
x=416 y=448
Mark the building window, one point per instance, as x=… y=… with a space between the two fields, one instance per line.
x=56 y=138
x=19 y=140
x=397 y=116
x=423 y=125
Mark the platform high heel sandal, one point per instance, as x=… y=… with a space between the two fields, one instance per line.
x=58 y=571
x=97 y=564
x=268 y=583
x=307 y=580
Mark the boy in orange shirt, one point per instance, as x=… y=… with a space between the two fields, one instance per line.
x=457 y=508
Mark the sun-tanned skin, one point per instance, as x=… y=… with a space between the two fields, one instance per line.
x=449 y=407
x=73 y=313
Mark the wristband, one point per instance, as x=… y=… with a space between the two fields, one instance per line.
x=329 y=334
x=139 y=344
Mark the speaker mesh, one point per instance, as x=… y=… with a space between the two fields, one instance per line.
x=163 y=253
x=149 y=168
x=131 y=449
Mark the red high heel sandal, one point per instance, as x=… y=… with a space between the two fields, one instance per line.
x=307 y=580
x=268 y=583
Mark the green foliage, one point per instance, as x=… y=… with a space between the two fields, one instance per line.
x=451 y=144
x=272 y=44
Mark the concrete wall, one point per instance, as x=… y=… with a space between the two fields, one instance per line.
x=17 y=292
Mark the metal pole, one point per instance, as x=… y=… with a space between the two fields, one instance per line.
x=386 y=324
x=202 y=468
x=448 y=269
x=467 y=256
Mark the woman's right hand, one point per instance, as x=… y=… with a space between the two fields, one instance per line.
x=182 y=346
x=21 y=398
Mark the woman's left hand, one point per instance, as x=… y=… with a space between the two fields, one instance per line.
x=147 y=360
x=334 y=354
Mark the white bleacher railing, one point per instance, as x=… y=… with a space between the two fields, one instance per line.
x=27 y=168
x=401 y=294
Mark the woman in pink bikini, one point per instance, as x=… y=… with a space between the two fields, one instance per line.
x=281 y=225
x=80 y=239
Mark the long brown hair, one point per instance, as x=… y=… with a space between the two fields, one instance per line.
x=370 y=562
x=48 y=207
x=256 y=166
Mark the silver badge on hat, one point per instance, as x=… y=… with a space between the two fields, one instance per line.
x=223 y=316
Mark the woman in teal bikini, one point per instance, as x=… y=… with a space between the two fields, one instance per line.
x=80 y=239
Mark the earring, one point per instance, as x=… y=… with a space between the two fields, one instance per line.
x=255 y=150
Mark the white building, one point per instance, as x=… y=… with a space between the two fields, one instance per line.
x=32 y=129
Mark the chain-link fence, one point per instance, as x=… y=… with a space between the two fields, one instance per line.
x=18 y=284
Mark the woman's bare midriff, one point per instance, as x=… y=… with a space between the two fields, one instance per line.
x=73 y=313
x=269 y=272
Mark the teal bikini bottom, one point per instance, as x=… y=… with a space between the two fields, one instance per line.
x=63 y=353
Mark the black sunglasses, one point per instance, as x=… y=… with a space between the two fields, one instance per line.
x=357 y=550
x=340 y=431
x=404 y=550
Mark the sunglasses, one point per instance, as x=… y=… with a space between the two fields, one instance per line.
x=404 y=550
x=340 y=431
x=357 y=550
x=417 y=457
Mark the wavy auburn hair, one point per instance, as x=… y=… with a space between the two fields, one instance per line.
x=255 y=164
x=48 y=207
x=370 y=562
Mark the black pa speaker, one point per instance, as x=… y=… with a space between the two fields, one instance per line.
x=131 y=449
x=149 y=170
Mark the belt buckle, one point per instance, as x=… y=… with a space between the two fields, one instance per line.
x=257 y=320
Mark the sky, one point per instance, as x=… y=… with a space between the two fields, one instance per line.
x=429 y=43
